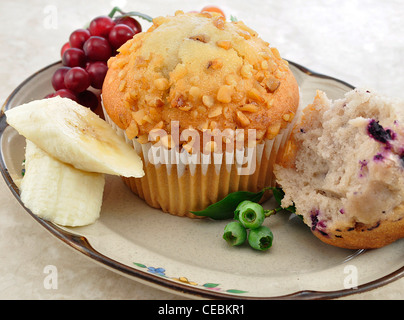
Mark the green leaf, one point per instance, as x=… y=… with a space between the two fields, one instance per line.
x=224 y=209
x=210 y=285
x=278 y=195
x=236 y=291
x=139 y=265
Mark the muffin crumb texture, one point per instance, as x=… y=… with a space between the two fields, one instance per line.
x=200 y=70
x=344 y=169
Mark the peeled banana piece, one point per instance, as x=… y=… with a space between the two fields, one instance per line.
x=74 y=134
x=58 y=192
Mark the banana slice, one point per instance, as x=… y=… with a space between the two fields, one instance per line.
x=74 y=134
x=58 y=192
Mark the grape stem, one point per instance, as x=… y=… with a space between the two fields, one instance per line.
x=130 y=13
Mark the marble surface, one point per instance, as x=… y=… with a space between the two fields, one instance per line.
x=360 y=42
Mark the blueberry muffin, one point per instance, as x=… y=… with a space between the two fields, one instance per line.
x=343 y=168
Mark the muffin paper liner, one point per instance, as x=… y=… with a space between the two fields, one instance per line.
x=185 y=183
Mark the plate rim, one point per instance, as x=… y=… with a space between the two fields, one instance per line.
x=82 y=245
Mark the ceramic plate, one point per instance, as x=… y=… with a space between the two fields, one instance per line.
x=189 y=256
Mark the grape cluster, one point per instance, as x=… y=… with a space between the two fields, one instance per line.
x=85 y=55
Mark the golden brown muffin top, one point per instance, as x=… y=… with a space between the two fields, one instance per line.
x=200 y=70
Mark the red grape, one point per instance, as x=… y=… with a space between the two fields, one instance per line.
x=65 y=93
x=97 y=49
x=97 y=71
x=78 y=37
x=77 y=79
x=64 y=48
x=74 y=57
x=58 y=78
x=119 y=35
x=88 y=99
x=101 y=26
x=131 y=22
x=50 y=95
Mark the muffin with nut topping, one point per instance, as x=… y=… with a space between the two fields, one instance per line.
x=206 y=103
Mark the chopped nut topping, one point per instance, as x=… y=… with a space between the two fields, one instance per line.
x=242 y=118
x=188 y=148
x=231 y=80
x=147 y=118
x=185 y=107
x=288 y=117
x=244 y=27
x=159 y=125
x=264 y=65
x=224 y=94
x=154 y=113
x=217 y=111
x=210 y=146
x=206 y=14
x=161 y=84
x=138 y=116
x=249 y=107
x=133 y=95
x=215 y=64
x=208 y=101
x=194 y=114
x=119 y=63
x=225 y=44
x=122 y=85
x=273 y=130
x=244 y=34
x=194 y=93
x=159 y=21
x=122 y=73
x=276 y=53
x=125 y=119
x=132 y=130
x=203 y=126
x=167 y=141
x=246 y=71
x=127 y=105
x=178 y=102
x=266 y=55
x=219 y=22
x=212 y=125
x=201 y=109
x=279 y=74
x=272 y=66
x=195 y=80
x=254 y=94
x=140 y=62
x=218 y=97
x=272 y=83
x=200 y=37
x=179 y=72
x=142 y=139
x=259 y=134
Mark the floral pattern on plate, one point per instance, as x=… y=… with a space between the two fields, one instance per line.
x=159 y=271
